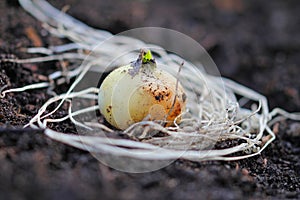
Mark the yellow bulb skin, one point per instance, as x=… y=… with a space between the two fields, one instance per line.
x=125 y=99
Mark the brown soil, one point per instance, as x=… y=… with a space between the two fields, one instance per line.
x=256 y=43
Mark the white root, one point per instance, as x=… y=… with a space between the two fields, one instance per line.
x=212 y=115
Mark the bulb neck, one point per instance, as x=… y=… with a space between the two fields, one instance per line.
x=145 y=61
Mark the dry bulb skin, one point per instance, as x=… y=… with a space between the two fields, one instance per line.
x=140 y=91
x=191 y=112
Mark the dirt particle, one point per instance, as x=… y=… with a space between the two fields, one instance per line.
x=108 y=109
x=159 y=97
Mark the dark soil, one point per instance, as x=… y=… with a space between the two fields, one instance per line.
x=254 y=42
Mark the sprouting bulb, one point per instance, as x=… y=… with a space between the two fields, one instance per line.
x=140 y=91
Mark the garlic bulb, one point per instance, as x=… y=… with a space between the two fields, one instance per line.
x=139 y=91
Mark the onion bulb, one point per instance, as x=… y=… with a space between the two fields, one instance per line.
x=140 y=91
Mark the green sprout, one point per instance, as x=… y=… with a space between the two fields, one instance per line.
x=147 y=57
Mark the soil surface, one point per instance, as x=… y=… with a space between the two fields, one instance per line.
x=255 y=42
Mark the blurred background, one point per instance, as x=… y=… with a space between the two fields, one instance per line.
x=253 y=42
